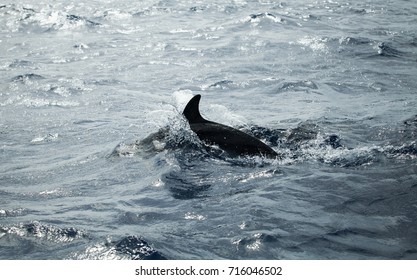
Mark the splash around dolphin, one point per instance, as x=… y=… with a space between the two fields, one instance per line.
x=233 y=141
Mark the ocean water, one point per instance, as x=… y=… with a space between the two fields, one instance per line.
x=97 y=161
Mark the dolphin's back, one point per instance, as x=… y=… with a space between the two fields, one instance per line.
x=231 y=140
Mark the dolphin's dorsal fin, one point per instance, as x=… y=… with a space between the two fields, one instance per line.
x=191 y=111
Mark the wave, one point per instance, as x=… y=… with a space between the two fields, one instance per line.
x=411 y=122
x=36 y=237
x=38 y=102
x=13 y=212
x=361 y=47
x=305 y=86
x=41 y=91
x=257 y=242
x=43 y=232
x=27 y=77
x=355 y=41
x=386 y=50
x=129 y=247
x=21 y=18
x=136 y=248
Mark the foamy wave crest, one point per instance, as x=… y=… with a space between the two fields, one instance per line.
x=29 y=18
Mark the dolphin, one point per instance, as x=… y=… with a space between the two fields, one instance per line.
x=229 y=139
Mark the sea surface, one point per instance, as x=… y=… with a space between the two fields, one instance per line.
x=97 y=161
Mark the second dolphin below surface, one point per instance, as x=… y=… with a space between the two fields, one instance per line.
x=231 y=140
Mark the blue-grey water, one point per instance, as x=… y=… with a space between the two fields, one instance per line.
x=97 y=161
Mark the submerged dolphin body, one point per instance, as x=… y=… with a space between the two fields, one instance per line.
x=231 y=140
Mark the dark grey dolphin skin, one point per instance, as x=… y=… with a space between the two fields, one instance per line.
x=231 y=140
